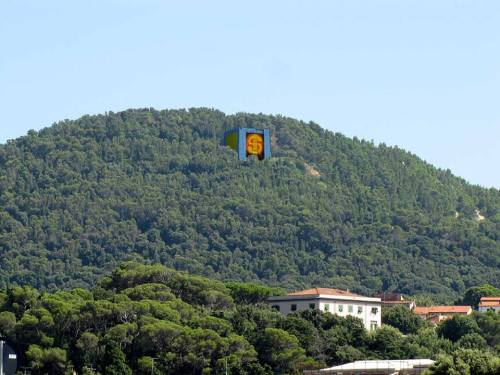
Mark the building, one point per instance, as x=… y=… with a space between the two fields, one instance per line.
x=378 y=367
x=335 y=301
x=395 y=299
x=436 y=314
x=489 y=304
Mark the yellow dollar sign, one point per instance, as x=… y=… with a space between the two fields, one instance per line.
x=255 y=144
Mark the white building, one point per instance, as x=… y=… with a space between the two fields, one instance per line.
x=335 y=301
x=489 y=304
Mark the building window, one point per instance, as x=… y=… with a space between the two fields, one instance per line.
x=374 y=310
x=276 y=307
x=327 y=307
x=312 y=306
x=341 y=308
x=293 y=307
x=360 y=309
x=350 y=309
x=373 y=325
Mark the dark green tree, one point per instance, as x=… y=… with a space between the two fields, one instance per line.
x=467 y=362
x=403 y=319
x=113 y=361
x=473 y=295
x=388 y=343
x=282 y=351
x=456 y=327
x=472 y=341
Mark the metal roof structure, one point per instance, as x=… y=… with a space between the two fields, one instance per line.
x=377 y=367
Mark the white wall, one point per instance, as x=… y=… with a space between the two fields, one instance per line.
x=366 y=315
x=285 y=306
x=485 y=309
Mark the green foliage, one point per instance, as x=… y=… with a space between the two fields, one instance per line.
x=427 y=344
x=467 y=362
x=249 y=319
x=158 y=292
x=114 y=360
x=453 y=329
x=473 y=295
x=403 y=319
x=480 y=362
x=388 y=343
x=348 y=353
x=151 y=318
x=252 y=293
x=489 y=326
x=281 y=351
x=146 y=366
x=7 y=323
x=472 y=341
x=20 y=299
x=448 y=365
x=87 y=348
x=425 y=300
x=50 y=360
x=81 y=196
x=303 y=330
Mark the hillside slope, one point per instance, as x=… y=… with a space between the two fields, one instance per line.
x=326 y=210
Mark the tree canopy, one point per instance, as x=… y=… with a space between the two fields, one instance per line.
x=81 y=196
x=144 y=319
x=473 y=295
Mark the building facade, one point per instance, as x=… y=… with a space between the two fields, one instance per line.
x=436 y=314
x=334 y=301
x=489 y=304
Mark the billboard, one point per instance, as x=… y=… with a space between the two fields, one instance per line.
x=249 y=142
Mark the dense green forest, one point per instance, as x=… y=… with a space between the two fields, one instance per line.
x=149 y=319
x=158 y=186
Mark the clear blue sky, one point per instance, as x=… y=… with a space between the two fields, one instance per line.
x=423 y=75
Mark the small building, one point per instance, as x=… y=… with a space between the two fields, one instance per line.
x=436 y=314
x=378 y=367
x=489 y=304
x=340 y=302
x=395 y=299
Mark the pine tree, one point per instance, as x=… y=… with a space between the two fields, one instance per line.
x=114 y=360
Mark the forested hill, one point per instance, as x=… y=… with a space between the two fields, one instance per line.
x=326 y=210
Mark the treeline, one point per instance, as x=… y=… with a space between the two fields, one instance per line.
x=151 y=319
x=81 y=196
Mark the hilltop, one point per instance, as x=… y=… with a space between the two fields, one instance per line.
x=158 y=186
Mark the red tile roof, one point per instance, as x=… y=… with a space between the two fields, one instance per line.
x=489 y=302
x=327 y=291
x=441 y=310
x=487 y=299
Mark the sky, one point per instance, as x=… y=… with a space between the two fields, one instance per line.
x=423 y=75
